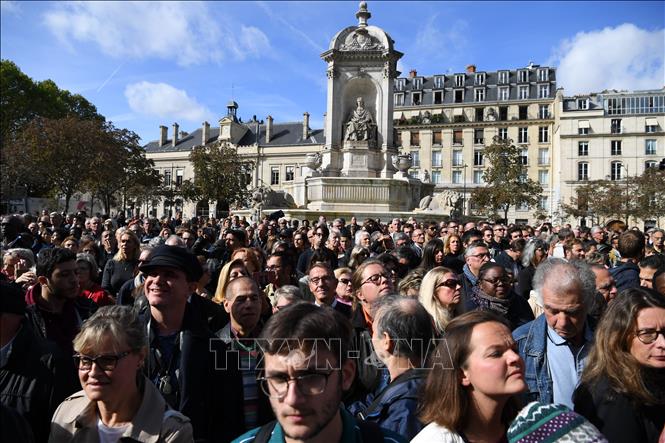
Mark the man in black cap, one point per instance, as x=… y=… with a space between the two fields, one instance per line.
x=182 y=359
x=34 y=374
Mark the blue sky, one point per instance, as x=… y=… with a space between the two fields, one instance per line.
x=144 y=64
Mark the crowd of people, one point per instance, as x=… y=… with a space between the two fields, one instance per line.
x=173 y=330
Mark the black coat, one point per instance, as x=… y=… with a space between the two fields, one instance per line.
x=35 y=380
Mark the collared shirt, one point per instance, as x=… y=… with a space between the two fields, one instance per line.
x=565 y=363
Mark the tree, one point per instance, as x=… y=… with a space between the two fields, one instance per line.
x=506 y=180
x=647 y=193
x=219 y=174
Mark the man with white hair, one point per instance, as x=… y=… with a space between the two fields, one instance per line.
x=555 y=345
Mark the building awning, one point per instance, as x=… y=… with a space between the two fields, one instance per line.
x=584 y=124
x=652 y=122
x=458 y=111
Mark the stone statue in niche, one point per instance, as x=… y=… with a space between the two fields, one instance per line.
x=360 y=126
x=491 y=115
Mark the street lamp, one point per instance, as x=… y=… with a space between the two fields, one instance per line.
x=464 y=166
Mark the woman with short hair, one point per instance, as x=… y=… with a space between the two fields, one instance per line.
x=476 y=399
x=230 y=271
x=622 y=390
x=87 y=274
x=117 y=401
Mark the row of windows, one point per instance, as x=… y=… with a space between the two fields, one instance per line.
x=615 y=127
x=479 y=136
x=478 y=158
x=616 y=170
x=650 y=147
x=168 y=174
x=503 y=93
x=289 y=174
x=634 y=105
x=479 y=79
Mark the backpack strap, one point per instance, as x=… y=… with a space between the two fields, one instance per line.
x=265 y=432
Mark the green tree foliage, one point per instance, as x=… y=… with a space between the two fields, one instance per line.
x=219 y=175
x=506 y=180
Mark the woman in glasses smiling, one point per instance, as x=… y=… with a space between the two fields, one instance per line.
x=117 y=401
x=494 y=292
x=623 y=385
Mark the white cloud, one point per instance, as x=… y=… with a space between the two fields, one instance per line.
x=186 y=33
x=438 y=42
x=163 y=100
x=625 y=57
x=9 y=7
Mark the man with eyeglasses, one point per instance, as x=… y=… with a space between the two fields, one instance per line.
x=307 y=369
x=475 y=256
x=323 y=285
x=418 y=241
x=278 y=272
x=318 y=242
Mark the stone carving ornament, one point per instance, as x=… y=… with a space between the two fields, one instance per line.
x=360 y=40
x=360 y=126
x=402 y=162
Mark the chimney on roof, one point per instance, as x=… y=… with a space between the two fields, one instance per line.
x=175 y=134
x=268 y=128
x=205 y=133
x=163 y=135
x=413 y=73
x=470 y=69
x=305 y=126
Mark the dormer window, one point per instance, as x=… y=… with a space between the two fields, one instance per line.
x=399 y=84
x=504 y=77
x=543 y=74
x=582 y=104
x=438 y=81
x=416 y=98
x=459 y=80
x=523 y=76
x=417 y=83
x=480 y=78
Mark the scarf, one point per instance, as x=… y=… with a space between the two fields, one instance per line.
x=488 y=303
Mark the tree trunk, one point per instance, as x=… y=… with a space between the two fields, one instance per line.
x=68 y=196
x=505 y=214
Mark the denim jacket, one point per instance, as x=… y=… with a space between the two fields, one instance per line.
x=531 y=341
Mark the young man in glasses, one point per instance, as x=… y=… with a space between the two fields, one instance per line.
x=306 y=373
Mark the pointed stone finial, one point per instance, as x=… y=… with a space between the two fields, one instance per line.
x=363 y=14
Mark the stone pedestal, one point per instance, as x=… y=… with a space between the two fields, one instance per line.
x=359 y=160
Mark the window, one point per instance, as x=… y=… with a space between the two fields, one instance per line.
x=523 y=76
x=522 y=207
x=399 y=99
x=480 y=78
x=615 y=127
x=583 y=131
x=543 y=134
x=438 y=81
x=523 y=112
x=650 y=147
x=543 y=91
x=651 y=125
x=459 y=80
x=523 y=135
x=415 y=138
x=503 y=133
x=436 y=159
x=179 y=173
x=457 y=177
x=504 y=76
x=438 y=97
x=416 y=98
x=457 y=158
x=436 y=177
x=615 y=147
x=582 y=104
x=650 y=164
x=582 y=149
x=543 y=156
x=543 y=203
x=478 y=136
x=477 y=177
x=167 y=178
x=503 y=113
x=414 y=173
x=415 y=156
x=524 y=156
x=437 y=138
x=477 y=158
x=504 y=93
x=544 y=111
x=523 y=92
x=615 y=171
x=289 y=173
x=543 y=74
x=544 y=177
x=417 y=83
x=274 y=175
x=583 y=171
x=459 y=95
x=399 y=84
x=458 y=138
x=480 y=114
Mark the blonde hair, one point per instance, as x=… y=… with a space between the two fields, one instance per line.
x=134 y=254
x=120 y=324
x=442 y=315
x=223 y=280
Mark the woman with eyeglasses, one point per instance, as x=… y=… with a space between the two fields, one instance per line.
x=622 y=390
x=494 y=292
x=117 y=401
x=440 y=294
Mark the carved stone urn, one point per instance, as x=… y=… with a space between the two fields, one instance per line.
x=313 y=161
x=402 y=163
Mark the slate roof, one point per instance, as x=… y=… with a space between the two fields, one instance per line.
x=283 y=134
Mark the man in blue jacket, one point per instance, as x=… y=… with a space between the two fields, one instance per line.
x=631 y=247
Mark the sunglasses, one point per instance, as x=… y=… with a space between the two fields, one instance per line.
x=451 y=283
